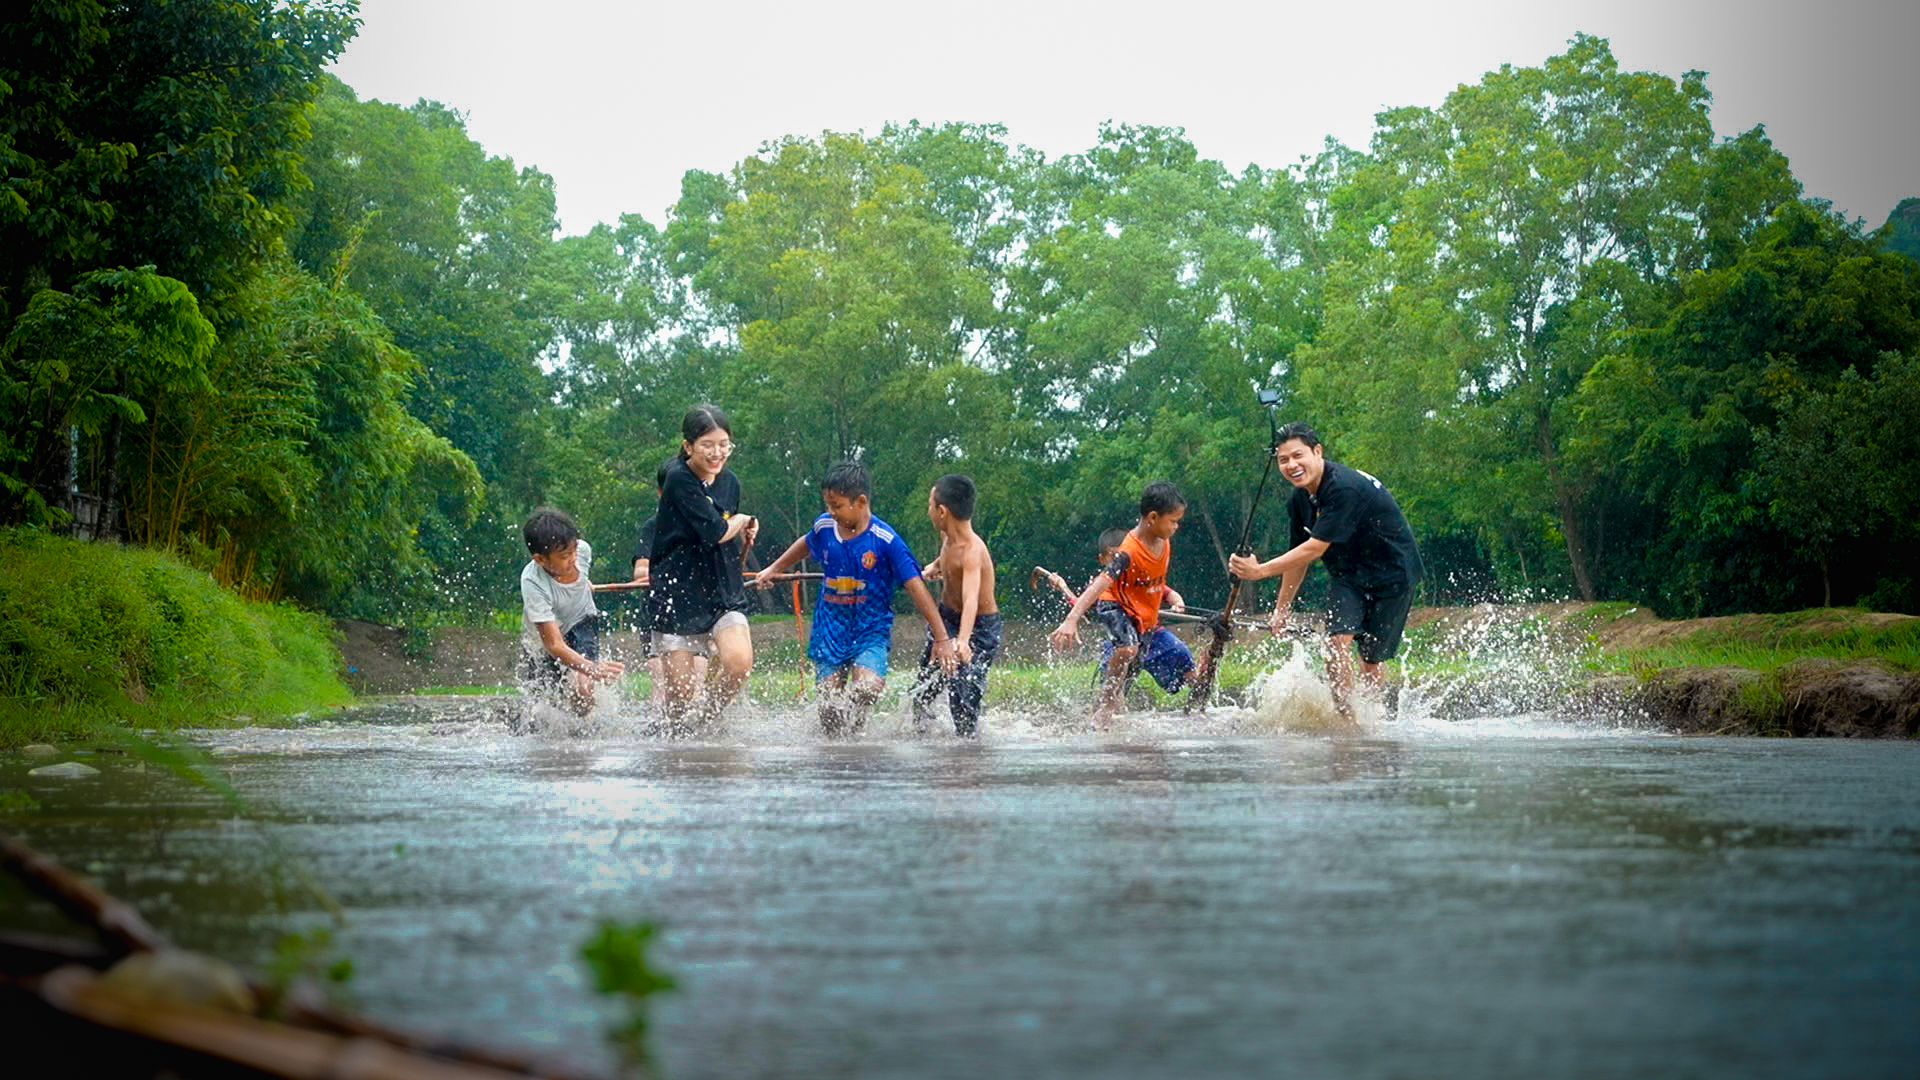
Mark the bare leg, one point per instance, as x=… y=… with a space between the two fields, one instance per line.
x=680 y=672
x=657 y=672
x=1114 y=686
x=727 y=674
x=1340 y=673
x=833 y=702
x=863 y=690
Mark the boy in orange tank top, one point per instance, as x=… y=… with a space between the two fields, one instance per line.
x=1126 y=597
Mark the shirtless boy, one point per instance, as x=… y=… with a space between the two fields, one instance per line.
x=964 y=564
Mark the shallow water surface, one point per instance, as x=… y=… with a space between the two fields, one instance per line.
x=1499 y=899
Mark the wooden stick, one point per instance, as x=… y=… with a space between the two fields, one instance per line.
x=86 y=902
x=635 y=586
x=270 y=1048
x=1192 y=616
x=121 y=923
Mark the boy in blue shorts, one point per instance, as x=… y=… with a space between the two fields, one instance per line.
x=863 y=560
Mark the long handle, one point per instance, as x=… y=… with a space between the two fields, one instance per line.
x=1209 y=674
x=632 y=586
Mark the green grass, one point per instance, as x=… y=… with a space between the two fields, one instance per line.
x=96 y=638
x=1768 y=642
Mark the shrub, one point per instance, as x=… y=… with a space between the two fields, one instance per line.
x=94 y=634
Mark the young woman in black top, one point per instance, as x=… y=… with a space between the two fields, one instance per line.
x=697 y=604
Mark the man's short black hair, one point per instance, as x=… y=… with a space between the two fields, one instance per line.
x=956 y=493
x=1298 y=429
x=849 y=480
x=549 y=530
x=1112 y=538
x=1161 y=497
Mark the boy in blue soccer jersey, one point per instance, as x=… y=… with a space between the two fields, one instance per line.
x=863 y=561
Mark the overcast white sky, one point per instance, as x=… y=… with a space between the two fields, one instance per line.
x=617 y=99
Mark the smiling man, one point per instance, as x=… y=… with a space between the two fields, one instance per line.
x=1347 y=519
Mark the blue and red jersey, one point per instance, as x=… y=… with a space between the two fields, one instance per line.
x=856 y=597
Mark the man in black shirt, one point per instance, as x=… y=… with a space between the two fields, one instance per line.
x=1346 y=518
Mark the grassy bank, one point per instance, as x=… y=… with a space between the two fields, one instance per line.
x=1767 y=643
x=95 y=637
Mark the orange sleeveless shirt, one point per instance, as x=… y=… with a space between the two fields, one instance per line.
x=1139 y=588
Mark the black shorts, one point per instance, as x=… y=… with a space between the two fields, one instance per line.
x=1376 y=619
x=544 y=672
x=1120 y=626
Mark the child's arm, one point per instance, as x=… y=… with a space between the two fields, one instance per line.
x=557 y=648
x=1068 y=631
x=640 y=570
x=1174 y=599
x=942 y=644
x=1060 y=583
x=794 y=553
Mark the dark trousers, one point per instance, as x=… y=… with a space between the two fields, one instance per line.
x=967 y=685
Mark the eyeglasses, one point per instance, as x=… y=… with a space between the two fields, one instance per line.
x=714 y=448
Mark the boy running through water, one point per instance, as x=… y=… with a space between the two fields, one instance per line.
x=559 y=624
x=864 y=560
x=1126 y=597
x=965 y=564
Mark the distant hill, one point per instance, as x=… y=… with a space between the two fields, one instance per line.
x=1903 y=228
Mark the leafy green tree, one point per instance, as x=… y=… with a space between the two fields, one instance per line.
x=83 y=361
x=1710 y=415
x=139 y=133
x=855 y=309
x=1513 y=234
x=293 y=466
x=1901 y=233
x=447 y=244
x=1158 y=292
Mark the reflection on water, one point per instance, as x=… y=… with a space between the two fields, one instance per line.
x=1178 y=897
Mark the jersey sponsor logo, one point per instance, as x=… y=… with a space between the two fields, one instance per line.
x=845 y=590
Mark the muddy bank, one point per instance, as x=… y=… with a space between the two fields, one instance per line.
x=1517 y=656
x=1814 y=697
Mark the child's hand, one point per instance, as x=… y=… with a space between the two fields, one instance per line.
x=763 y=579
x=605 y=670
x=1064 y=637
x=1245 y=567
x=932 y=571
x=962 y=651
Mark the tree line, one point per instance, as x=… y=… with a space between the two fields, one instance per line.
x=336 y=350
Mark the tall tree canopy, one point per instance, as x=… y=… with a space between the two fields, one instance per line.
x=334 y=347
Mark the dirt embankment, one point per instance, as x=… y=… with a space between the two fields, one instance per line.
x=1816 y=696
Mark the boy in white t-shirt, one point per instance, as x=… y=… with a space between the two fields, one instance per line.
x=559 y=624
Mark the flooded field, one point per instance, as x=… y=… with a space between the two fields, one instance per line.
x=1505 y=897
